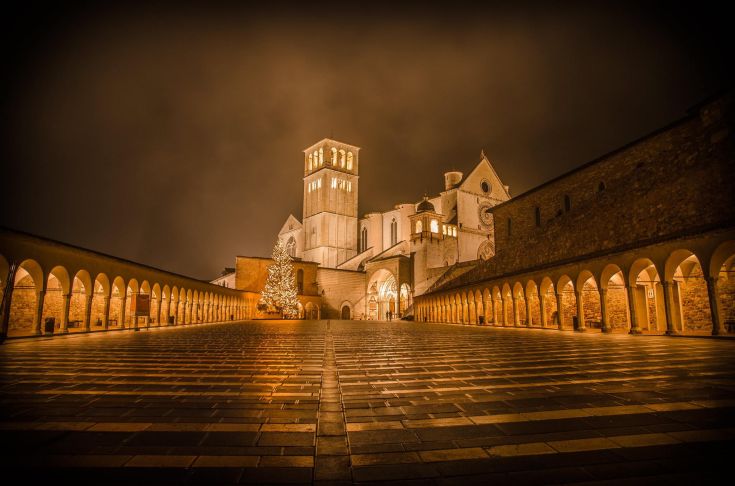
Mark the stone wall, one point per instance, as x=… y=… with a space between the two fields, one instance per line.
x=342 y=286
x=675 y=181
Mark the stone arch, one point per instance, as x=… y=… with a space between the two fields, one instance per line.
x=479 y=308
x=172 y=317
x=645 y=296
x=188 y=306
x=81 y=301
x=195 y=306
x=346 y=311
x=26 y=299
x=383 y=295
x=350 y=160
x=689 y=310
x=533 y=304
x=549 y=309
x=589 y=307
x=507 y=298
x=471 y=312
x=165 y=304
x=463 y=307
x=100 y=309
x=57 y=299
x=156 y=304
x=721 y=287
x=519 y=305
x=312 y=310
x=566 y=302
x=487 y=306
x=615 y=298
x=497 y=306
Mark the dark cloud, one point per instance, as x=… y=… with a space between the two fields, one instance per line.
x=174 y=138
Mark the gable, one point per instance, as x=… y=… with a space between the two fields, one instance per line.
x=291 y=224
x=485 y=171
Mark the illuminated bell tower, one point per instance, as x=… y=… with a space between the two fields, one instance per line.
x=330 y=202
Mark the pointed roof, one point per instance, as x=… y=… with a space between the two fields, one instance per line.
x=485 y=161
x=291 y=224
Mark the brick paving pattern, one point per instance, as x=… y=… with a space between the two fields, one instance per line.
x=336 y=402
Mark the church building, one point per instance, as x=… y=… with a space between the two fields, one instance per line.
x=372 y=267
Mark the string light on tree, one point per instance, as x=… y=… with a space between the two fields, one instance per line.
x=280 y=291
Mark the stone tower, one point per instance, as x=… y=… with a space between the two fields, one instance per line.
x=330 y=202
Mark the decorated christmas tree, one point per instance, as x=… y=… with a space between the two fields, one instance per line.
x=280 y=287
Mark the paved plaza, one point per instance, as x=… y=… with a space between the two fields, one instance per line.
x=364 y=402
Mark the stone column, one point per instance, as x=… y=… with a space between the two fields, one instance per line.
x=603 y=310
x=529 y=319
x=123 y=300
x=580 y=312
x=168 y=311
x=134 y=315
x=158 y=312
x=668 y=310
x=542 y=308
x=559 y=313
x=40 y=296
x=196 y=312
x=516 y=317
x=188 y=312
x=504 y=309
x=713 y=292
x=106 y=313
x=66 y=300
x=6 y=310
x=176 y=311
x=88 y=313
x=634 y=325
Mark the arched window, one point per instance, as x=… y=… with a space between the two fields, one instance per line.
x=334 y=156
x=434 y=226
x=321 y=155
x=349 y=160
x=311 y=161
x=342 y=157
x=419 y=226
x=300 y=280
x=393 y=232
x=538 y=216
x=363 y=240
x=316 y=158
x=567 y=203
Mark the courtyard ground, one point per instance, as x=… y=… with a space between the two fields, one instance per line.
x=341 y=401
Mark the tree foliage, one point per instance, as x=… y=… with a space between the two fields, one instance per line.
x=280 y=292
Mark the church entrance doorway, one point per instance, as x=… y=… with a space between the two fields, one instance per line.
x=345 y=312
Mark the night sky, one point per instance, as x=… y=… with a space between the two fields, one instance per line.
x=174 y=137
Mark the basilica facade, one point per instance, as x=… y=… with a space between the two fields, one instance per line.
x=372 y=266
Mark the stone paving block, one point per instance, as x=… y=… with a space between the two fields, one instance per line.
x=226 y=461
x=160 y=461
x=384 y=458
x=586 y=410
x=332 y=468
x=286 y=461
x=453 y=454
x=286 y=439
x=331 y=428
